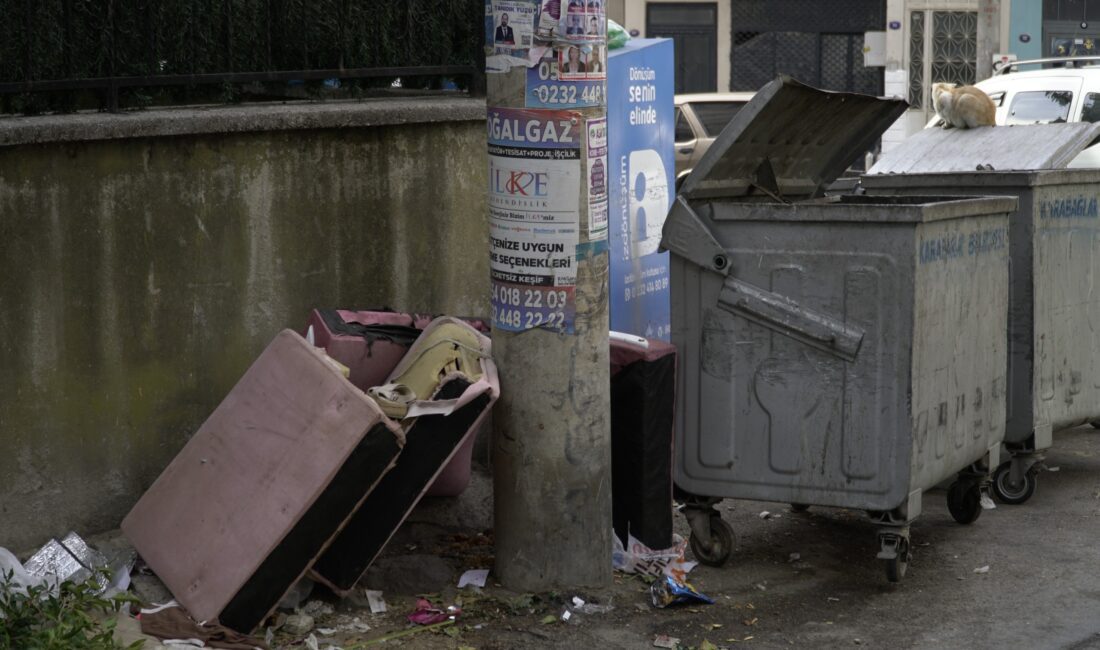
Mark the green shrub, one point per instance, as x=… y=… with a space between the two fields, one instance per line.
x=75 y=618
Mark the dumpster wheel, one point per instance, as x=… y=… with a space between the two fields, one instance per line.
x=1095 y=423
x=896 y=566
x=1013 y=494
x=964 y=501
x=799 y=507
x=717 y=550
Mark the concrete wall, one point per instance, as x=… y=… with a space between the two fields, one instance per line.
x=147 y=259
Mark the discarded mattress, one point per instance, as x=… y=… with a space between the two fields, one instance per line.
x=371 y=343
x=443 y=389
x=643 y=402
x=259 y=491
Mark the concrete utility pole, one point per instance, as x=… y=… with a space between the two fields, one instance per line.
x=546 y=79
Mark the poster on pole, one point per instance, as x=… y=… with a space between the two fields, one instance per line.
x=550 y=84
x=569 y=68
x=597 y=178
x=534 y=216
x=509 y=33
x=584 y=20
x=549 y=20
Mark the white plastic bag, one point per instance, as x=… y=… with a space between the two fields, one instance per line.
x=641 y=559
x=21 y=580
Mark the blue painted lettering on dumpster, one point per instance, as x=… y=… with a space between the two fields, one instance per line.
x=1077 y=207
x=986 y=241
x=941 y=248
x=954 y=246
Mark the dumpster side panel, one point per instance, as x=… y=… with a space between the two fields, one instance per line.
x=767 y=416
x=1067 y=304
x=959 y=345
x=1019 y=405
x=1054 y=290
x=691 y=289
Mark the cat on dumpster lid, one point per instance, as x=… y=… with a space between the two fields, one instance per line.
x=964 y=107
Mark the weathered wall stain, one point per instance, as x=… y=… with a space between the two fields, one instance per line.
x=140 y=277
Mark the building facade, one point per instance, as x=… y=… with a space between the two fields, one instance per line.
x=929 y=41
x=736 y=45
x=700 y=32
x=891 y=47
x=1068 y=28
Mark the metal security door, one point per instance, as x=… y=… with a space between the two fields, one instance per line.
x=819 y=43
x=693 y=30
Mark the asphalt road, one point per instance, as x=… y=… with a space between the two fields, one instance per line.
x=1042 y=588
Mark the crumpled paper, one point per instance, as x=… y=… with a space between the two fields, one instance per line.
x=475 y=577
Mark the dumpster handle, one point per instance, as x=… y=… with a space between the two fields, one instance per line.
x=689 y=237
x=785 y=316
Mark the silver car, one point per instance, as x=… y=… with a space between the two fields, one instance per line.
x=699 y=120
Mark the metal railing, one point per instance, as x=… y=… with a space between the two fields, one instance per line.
x=67 y=47
x=112 y=85
x=1008 y=67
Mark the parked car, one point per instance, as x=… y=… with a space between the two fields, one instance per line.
x=699 y=119
x=1068 y=93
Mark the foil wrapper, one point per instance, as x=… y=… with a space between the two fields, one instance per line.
x=70 y=559
x=669 y=591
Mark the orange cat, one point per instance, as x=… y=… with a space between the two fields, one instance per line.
x=965 y=107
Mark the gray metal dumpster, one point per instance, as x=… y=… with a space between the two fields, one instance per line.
x=838 y=351
x=1054 y=303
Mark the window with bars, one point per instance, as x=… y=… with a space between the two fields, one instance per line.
x=916 y=59
x=820 y=43
x=943 y=47
x=829 y=61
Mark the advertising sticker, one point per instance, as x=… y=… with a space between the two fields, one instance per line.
x=547 y=89
x=550 y=20
x=584 y=20
x=597 y=178
x=513 y=24
x=534 y=177
x=576 y=62
x=573 y=65
x=509 y=33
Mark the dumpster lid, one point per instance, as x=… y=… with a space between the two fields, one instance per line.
x=790 y=141
x=1021 y=147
